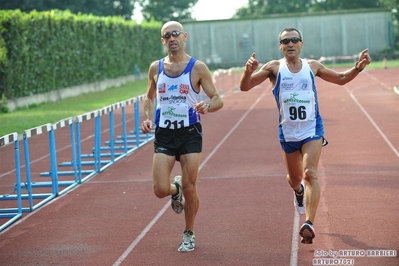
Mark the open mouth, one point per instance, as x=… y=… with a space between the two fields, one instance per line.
x=172 y=44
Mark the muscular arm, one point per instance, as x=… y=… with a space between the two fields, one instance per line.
x=149 y=100
x=205 y=81
x=340 y=78
x=249 y=79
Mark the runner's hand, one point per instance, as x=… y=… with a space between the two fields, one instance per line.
x=252 y=64
x=146 y=126
x=201 y=107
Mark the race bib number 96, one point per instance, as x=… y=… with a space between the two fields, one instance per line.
x=174 y=116
x=298 y=106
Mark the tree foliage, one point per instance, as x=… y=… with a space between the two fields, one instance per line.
x=123 y=8
x=161 y=10
x=257 y=8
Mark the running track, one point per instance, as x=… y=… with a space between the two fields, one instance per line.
x=246 y=214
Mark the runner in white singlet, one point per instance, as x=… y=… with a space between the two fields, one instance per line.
x=175 y=81
x=301 y=131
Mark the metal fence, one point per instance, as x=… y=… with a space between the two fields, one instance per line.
x=228 y=43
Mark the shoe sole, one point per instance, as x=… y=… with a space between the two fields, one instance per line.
x=179 y=207
x=307 y=235
x=185 y=250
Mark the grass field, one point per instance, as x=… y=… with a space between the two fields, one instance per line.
x=25 y=118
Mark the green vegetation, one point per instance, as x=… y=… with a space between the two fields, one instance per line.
x=373 y=64
x=52 y=112
x=25 y=118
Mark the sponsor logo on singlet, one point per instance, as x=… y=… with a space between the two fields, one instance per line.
x=162 y=88
x=184 y=88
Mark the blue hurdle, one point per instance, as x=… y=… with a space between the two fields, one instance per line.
x=134 y=136
x=88 y=172
x=117 y=147
x=12 y=213
x=55 y=173
x=36 y=196
x=40 y=191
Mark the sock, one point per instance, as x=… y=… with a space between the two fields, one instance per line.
x=176 y=195
x=308 y=222
x=299 y=191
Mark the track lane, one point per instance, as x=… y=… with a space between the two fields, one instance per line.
x=246 y=212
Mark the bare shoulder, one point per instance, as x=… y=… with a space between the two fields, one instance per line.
x=154 y=64
x=271 y=68
x=313 y=62
x=201 y=67
x=315 y=65
x=153 y=69
x=271 y=65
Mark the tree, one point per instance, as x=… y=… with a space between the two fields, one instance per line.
x=258 y=8
x=327 y=5
x=122 y=8
x=161 y=10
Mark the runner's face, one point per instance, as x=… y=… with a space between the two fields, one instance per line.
x=173 y=37
x=290 y=49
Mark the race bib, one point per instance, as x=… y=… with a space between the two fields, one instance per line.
x=174 y=116
x=298 y=106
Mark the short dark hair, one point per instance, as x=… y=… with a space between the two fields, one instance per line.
x=291 y=29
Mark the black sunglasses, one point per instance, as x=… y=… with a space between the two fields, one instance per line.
x=288 y=40
x=174 y=33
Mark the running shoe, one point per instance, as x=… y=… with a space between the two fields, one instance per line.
x=177 y=201
x=299 y=201
x=307 y=232
x=188 y=242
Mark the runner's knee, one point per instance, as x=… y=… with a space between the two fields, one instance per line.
x=161 y=191
x=310 y=175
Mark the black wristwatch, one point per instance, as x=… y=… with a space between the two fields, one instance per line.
x=358 y=69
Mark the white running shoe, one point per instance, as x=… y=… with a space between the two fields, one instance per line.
x=188 y=242
x=177 y=201
x=299 y=201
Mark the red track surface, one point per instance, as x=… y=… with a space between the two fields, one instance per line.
x=246 y=214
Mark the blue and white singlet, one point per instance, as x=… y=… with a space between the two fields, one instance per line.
x=297 y=102
x=176 y=98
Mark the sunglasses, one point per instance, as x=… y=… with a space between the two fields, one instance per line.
x=174 y=33
x=288 y=40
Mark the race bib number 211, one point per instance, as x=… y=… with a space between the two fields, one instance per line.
x=174 y=116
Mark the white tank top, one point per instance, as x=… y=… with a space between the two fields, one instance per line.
x=296 y=98
x=176 y=98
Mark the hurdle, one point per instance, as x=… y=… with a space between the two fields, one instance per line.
x=54 y=172
x=36 y=195
x=84 y=169
x=134 y=136
x=12 y=213
x=82 y=166
x=116 y=147
x=133 y=139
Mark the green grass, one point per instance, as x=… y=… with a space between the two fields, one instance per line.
x=36 y=115
x=373 y=65
x=25 y=118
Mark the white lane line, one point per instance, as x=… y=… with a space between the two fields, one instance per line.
x=372 y=122
x=295 y=240
x=162 y=211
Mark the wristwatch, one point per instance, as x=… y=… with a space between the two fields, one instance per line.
x=208 y=106
x=358 y=69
